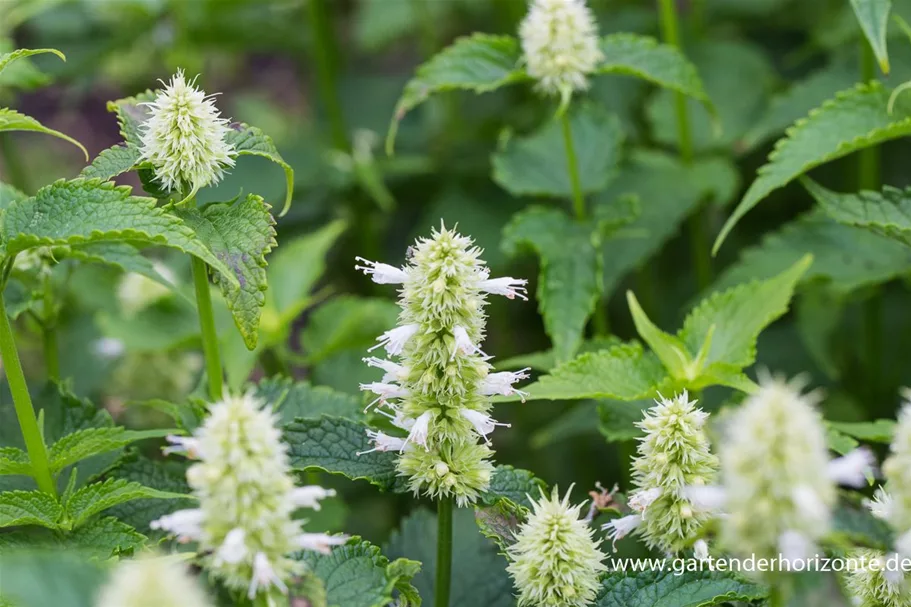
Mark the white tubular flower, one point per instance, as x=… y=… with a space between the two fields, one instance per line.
x=673 y=453
x=853 y=469
x=319 y=542
x=137 y=292
x=151 y=580
x=384 y=392
x=881 y=505
x=184 y=137
x=701 y=550
x=246 y=495
x=441 y=375
x=897 y=470
x=707 y=498
x=501 y=383
x=555 y=561
x=394 y=340
x=561 y=46
x=186 y=445
x=619 y=528
x=871 y=583
x=507 y=286
x=774 y=465
x=382 y=273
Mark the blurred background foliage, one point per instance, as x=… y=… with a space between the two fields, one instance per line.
x=322 y=78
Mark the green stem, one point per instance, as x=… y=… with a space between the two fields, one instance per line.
x=573 y=166
x=325 y=53
x=207 y=326
x=49 y=333
x=28 y=423
x=868 y=158
x=444 y=551
x=16 y=176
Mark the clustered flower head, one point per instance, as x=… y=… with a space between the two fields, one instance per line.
x=246 y=497
x=184 y=137
x=560 y=42
x=136 y=292
x=555 y=561
x=897 y=470
x=674 y=454
x=151 y=581
x=438 y=390
x=779 y=483
x=871 y=582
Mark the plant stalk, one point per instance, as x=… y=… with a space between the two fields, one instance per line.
x=25 y=412
x=207 y=326
x=572 y=166
x=699 y=243
x=444 y=552
x=325 y=53
x=49 y=333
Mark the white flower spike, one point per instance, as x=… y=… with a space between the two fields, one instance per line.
x=147 y=580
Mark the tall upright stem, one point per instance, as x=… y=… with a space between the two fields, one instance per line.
x=25 y=412
x=325 y=52
x=207 y=326
x=444 y=551
x=573 y=167
x=699 y=243
x=49 y=333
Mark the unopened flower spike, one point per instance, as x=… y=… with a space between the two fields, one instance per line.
x=184 y=137
x=436 y=370
x=560 y=45
x=244 y=523
x=897 y=470
x=148 y=580
x=673 y=454
x=555 y=561
x=871 y=583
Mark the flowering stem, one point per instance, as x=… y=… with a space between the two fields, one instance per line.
x=49 y=333
x=207 y=325
x=573 y=166
x=444 y=551
x=699 y=244
x=25 y=412
x=325 y=52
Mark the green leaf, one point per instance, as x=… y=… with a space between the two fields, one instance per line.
x=332 y=444
x=240 y=234
x=74 y=582
x=514 y=485
x=113 y=161
x=572 y=422
x=623 y=372
x=617 y=420
x=738 y=315
x=570 y=282
x=29 y=508
x=536 y=164
x=291 y=400
x=546 y=360
x=11 y=120
x=121 y=255
x=104 y=537
x=9 y=195
x=344 y=323
x=873 y=16
x=357 y=574
x=854 y=523
x=644 y=57
x=80 y=211
x=97 y=497
x=669 y=349
x=14 y=461
x=478 y=63
x=873 y=260
x=131 y=113
x=7 y=58
x=878 y=431
x=251 y=141
x=855 y=119
x=887 y=213
x=666 y=588
x=93 y=441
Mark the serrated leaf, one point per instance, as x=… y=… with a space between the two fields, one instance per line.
x=131 y=113
x=479 y=574
x=546 y=360
x=737 y=316
x=623 y=372
x=81 y=211
x=669 y=349
x=514 y=485
x=29 y=508
x=164 y=475
x=94 y=441
x=11 y=120
x=14 y=461
x=240 y=235
x=8 y=58
x=874 y=259
x=536 y=164
x=112 y=162
x=570 y=282
x=478 y=63
x=644 y=57
x=332 y=444
x=357 y=574
x=120 y=255
x=873 y=16
x=666 y=588
x=617 y=420
x=74 y=582
x=856 y=524
x=344 y=323
x=853 y=120
x=251 y=141
x=9 y=195
x=887 y=213
x=97 y=497
x=291 y=400
x=104 y=537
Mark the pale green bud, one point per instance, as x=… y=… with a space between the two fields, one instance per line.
x=871 y=583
